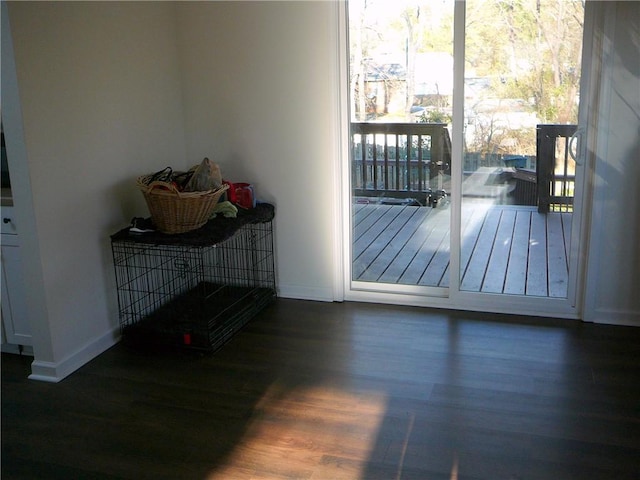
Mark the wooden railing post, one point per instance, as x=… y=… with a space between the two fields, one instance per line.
x=548 y=180
x=545 y=158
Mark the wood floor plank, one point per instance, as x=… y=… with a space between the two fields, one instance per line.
x=436 y=273
x=432 y=239
x=368 y=221
x=474 y=219
x=414 y=234
x=516 y=278
x=322 y=390
x=356 y=208
x=475 y=272
x=370 y=229
x=517 y=254
x=376 y=239
x=566 y=231
x=404 y=226
x=536 y=272
x=465 y=232
x=496 y=273
x=359 y=213
x=557 y=268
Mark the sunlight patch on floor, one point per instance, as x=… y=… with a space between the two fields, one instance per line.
x=317 y=432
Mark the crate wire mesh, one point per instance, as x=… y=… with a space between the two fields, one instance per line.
x=193 y=296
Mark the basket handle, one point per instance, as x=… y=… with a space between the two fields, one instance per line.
x=163 y=175
x=172 y=188
x=166 y=186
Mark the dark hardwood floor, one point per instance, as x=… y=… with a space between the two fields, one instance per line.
x=311 y=390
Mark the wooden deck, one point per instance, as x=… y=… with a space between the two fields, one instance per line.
x=505 y=248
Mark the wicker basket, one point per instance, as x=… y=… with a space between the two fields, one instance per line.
x=173 y=211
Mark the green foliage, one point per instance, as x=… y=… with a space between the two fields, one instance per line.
x=434 y=116
x=535 y=44
x=529 y=50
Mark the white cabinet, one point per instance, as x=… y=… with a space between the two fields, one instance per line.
x=15 y=328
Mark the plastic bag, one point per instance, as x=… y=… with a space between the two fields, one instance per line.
x=206 y=176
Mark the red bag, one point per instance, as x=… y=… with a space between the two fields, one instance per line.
x=241 y=194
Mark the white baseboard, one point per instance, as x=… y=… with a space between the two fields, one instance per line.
x=609 y=316
x=305 y=293
x=54 y=372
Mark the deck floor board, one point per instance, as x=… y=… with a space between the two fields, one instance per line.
x=435 y=272
x=474 y=274
x=499 y=261
x=557 y=258
x=405 y=251
x=384 y=249
x=505 y=249
x=515 y=281
x=537 y=266
x=428 y=249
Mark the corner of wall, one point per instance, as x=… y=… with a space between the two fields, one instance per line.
x=54 y=372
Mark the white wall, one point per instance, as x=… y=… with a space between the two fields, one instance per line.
x=259 y=99
x=99 y=89
x=613 y=282
x=107 y=91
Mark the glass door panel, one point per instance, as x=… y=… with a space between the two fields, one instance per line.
x=521 y=91
x=401 y=93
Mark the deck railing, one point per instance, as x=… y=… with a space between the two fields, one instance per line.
x=413 y=161
x=555 y=169
x=400 y=160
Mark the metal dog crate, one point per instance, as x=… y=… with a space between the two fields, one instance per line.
x=193 y=290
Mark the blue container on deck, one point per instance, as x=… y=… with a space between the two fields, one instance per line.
x=516 y=161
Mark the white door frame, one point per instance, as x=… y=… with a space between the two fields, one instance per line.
x=453 y=297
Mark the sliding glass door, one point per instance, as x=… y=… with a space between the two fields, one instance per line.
x=521 y=98
x=401 y=109
x=462 y=143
